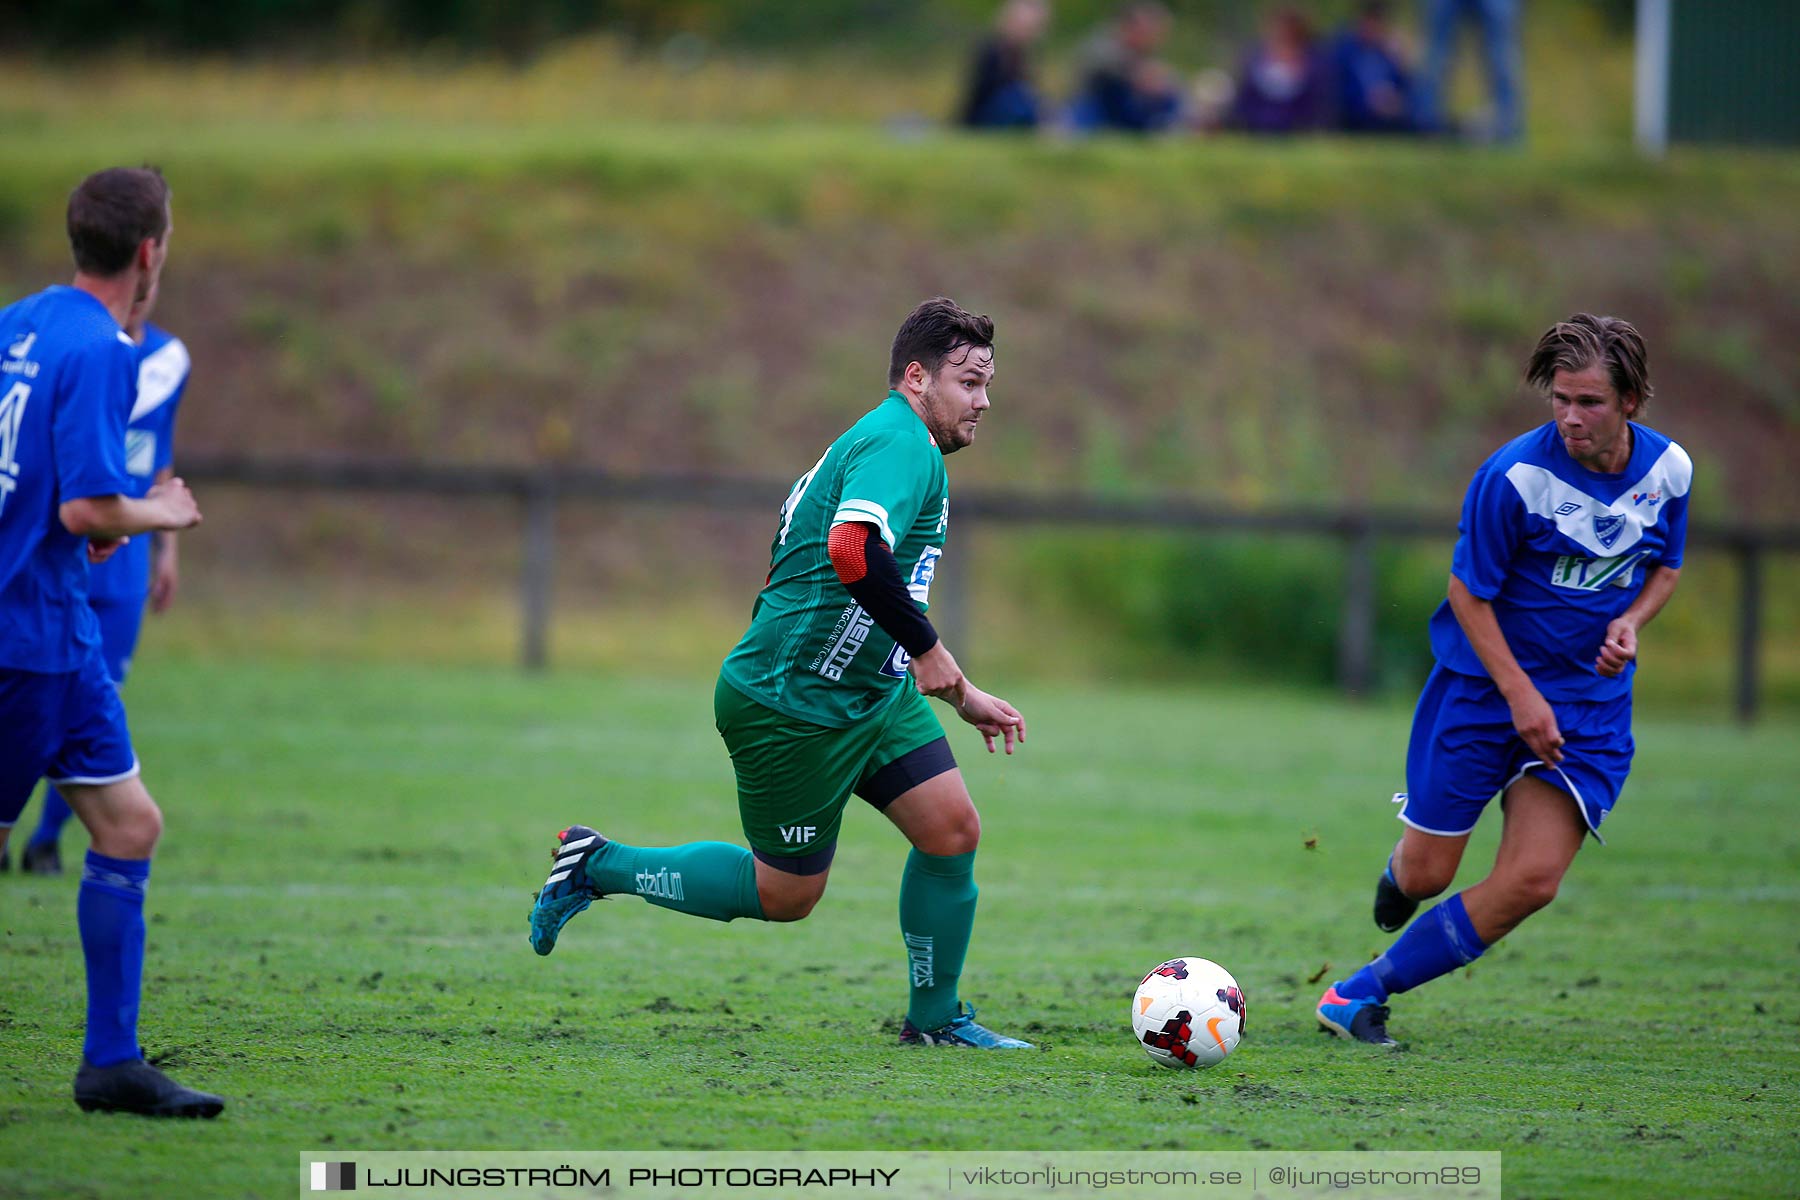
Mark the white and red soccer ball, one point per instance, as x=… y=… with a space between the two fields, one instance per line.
x=1188 y=1012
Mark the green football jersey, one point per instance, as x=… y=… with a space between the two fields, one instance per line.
x=811 y=651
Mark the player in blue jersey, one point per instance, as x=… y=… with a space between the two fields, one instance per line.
x=1570 y=543
x=144 y=571
x=68 y=376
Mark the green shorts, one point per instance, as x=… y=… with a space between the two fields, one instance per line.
x=794 y=778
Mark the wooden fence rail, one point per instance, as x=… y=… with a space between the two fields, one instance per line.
x=539 y=491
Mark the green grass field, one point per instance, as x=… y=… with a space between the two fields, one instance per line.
x=338 y=944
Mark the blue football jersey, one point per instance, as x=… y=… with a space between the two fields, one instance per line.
x=67 y=375
x=1560 y=551
x=162 y=376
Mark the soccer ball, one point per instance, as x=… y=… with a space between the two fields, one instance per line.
x=1188 y=1013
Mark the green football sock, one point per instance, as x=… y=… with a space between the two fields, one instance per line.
x=937 y=913
x=715 y=880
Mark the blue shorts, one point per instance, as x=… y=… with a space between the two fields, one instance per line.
x=120 y=621
x=67 y=728
x=1464 y=751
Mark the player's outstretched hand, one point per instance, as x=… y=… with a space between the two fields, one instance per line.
x=1619 y=649
x=1536 y=722
x=994 y=717
x=101 y=549
x=180 y=510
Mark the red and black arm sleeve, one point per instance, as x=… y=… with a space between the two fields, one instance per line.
x=868 y=570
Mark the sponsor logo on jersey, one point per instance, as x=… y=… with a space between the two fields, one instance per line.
x=1607 y=530
x=944 y=519
x=853 y=629
x=140 y=452
x=1568 y=509
x=897 y=663
x=16 y=361
x=1581 y=574
x=923 y=572
x=1651 y=498
x=664 y=883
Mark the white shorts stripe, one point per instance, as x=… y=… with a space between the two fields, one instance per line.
x=97 y=780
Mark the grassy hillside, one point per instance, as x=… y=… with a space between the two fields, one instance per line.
x=597 y=260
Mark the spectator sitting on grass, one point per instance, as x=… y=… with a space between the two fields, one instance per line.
x=1371 y=83
x=1001 y=92
x=1281 y=80
x=1123 y=86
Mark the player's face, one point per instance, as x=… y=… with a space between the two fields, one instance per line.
x=1592 y=418
x=956 y=395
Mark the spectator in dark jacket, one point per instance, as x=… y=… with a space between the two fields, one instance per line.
x=1281 y=79
x=1371 y=83
x=1123 y=85
x=1002 y=94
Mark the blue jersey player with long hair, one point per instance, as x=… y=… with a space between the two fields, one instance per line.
x=1570 y=543
x=68 y=375
x=144 y=572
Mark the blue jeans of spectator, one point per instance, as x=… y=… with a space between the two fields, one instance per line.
x=1499 y=24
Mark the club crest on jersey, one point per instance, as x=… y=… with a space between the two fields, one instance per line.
x=1607 y=530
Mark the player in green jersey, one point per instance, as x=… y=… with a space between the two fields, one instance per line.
x=824 y=697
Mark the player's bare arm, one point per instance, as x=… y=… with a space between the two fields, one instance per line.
x=1621 y=645
x=1531 y=713
x=168 y=505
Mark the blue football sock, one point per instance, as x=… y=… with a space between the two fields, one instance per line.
x=1439 y=941
x=110 y=912
x=50 y=824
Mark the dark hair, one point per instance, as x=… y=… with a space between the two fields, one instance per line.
x=111 y=214
x=929 y=334
x=1583 y=340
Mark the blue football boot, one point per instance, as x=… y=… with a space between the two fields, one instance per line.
x=1363 y=1020
x=567 y=891
x=961 y=1032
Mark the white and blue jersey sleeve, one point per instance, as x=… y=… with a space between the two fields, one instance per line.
x=1560 y=551
x=67 y=375
x=162 y=375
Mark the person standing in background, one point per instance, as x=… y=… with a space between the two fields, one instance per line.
x=1498 y=21
x=1002 y=92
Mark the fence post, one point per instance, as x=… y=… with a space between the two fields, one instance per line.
x=1749 y=556
x=1356 y=633
x=537 y=571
